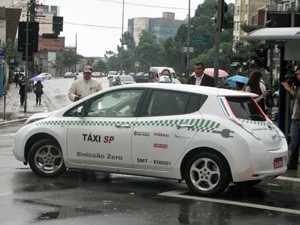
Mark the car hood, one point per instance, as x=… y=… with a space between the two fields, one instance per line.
x=39 y=116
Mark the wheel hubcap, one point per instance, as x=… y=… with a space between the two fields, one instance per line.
x=48 y=159
x=205 y=174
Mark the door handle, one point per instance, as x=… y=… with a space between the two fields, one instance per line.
x=123 y=125
x=187 y=126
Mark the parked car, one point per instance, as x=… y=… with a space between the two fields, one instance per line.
x=69 y=75
x=142 y=77
x=46 y=76
x=78 y=76
x=123 y=79
x=207 y=136
x=112 y=79
x=96 y=74
x=159 y=69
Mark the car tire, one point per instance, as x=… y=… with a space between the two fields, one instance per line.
x=207 y=174
x=45 y=159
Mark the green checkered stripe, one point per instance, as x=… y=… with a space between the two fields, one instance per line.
x=261 y=123
x=202 y=125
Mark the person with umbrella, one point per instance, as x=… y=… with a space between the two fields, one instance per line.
x=200 y=78
x=38 y=91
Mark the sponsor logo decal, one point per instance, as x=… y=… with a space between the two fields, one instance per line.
x=181 y=137
x=157 y=145
x=138 y=133
x=157 y=134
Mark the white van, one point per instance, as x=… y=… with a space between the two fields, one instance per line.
x=159 y=69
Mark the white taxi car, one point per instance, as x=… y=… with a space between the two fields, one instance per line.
x=206 y=136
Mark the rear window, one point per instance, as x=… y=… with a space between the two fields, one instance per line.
x=245 y=108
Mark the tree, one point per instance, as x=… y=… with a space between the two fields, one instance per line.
x=126 y=51
x=66 y=61
x=149 y=50
x=100 y=66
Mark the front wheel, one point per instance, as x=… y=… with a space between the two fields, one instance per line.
x=46 y=159
x=207 y=174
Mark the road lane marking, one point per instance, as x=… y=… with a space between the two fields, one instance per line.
x=180 y=194
x=288 y=178
x=6 y=193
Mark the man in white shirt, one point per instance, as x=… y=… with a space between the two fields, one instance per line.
x=83 y=87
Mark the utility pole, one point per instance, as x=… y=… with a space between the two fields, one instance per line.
x=188 y=41
x=122 y=40
x=30 y=18
x=217 y=40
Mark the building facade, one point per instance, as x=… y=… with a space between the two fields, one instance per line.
x=163 y=27
x=254 y=12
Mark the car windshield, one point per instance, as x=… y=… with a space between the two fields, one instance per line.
x=126 y=78
x=245 y=108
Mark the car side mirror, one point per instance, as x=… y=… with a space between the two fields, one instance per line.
x=80 y=111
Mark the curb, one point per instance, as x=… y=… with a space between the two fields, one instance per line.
x=12 y=122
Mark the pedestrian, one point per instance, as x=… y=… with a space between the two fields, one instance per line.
x=167 y=73
x=295 y=122
x=17 y=78
x=38 y=91
x=200 y=78
x=22 y=89
x=83 y=87
x=153 y=75
x=254 y=85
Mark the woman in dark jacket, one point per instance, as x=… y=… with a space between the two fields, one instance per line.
x=38 y=90
x=22 y=85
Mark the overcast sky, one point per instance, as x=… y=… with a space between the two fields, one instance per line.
x=98 y=23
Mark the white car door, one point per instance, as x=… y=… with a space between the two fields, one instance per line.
x=103 y=135
x=161 y=137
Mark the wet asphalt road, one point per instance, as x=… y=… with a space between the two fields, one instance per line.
x=80 y=197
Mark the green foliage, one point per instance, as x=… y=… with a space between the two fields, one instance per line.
x=249 y=28
x=67 y=61
x=100 y=66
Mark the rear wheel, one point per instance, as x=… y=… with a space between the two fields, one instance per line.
x=46 y=159
x=207 y=174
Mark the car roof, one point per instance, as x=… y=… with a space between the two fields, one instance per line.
x=161 y=68
x=190 y=88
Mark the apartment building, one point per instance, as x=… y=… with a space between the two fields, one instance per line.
x=163 y=27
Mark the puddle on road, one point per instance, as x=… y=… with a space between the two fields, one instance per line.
x=46 y=187
x=68 y=212
x=62 y=212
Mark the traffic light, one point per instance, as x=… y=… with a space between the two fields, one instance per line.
x=57 y=24
x=224 y=20
x=33 y=37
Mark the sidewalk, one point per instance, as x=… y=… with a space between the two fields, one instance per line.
x=15 y=114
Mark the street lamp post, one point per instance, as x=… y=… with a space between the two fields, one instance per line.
x=122 y=37
x=188 y=41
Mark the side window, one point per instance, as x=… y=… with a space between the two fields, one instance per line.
x=166 y=103
x=114 y=104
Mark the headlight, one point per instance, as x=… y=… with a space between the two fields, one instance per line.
x=38 y=116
